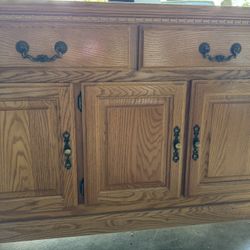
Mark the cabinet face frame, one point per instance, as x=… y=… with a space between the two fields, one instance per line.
x=105 y=103
x=25 y=104
x=229 y=102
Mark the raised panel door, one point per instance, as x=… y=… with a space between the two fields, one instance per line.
x=130 y=134
x=33 y=177
x=222 y=164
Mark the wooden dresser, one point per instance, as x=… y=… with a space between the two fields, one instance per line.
x=118 y=117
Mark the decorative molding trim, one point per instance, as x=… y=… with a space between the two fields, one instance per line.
x=129 y=20
x=123 y=13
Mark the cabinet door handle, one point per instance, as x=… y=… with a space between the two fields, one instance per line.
x=204 y=49
x=60 y=48
x=176 y=144
x=196 y=142
x=67 y=150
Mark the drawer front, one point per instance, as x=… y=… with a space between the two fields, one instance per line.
x=173 y=47
x=91 y=46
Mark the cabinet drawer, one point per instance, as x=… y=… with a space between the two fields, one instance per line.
x=179 y=47
x=91 y=46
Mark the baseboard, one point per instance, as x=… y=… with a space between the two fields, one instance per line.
x=125 y=221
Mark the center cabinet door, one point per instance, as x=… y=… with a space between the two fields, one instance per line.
x=131 y=140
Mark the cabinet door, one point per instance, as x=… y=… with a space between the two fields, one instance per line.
x=221 y=163
x=33 y=119
x=130 y=134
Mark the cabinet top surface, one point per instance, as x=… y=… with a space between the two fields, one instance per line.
x=119 y=10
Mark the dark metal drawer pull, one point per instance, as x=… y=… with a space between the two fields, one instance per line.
x=22 y=47
x=196 y=142
x=204 y=49
x=176 y=144
x=67 y=150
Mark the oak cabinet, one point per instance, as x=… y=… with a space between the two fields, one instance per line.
x=33 y=177
x=115 y=117
x=220 y=121
x=133 y=138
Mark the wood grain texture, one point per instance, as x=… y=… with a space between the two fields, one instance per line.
x=32 y=121
x=134 y=133
x=230 y=129
x=129 y=141
x=96 y=46
x=169 y=47
x=123 y=143
x=87 y=210
x=87 y=77
x=123 y=13
x=25 y=144
x=222 y=110
x=116 y=222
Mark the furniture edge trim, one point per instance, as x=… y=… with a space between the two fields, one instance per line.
x=118 y=222
x=123 y=13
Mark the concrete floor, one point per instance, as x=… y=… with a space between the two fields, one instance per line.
x=224 y=236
